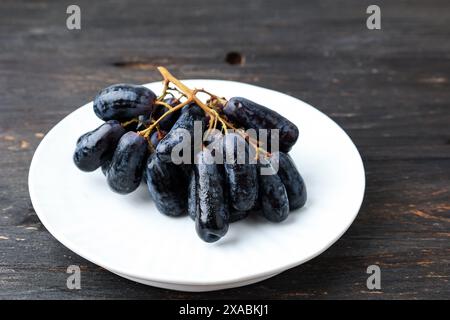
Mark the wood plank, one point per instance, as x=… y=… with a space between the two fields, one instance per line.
x=388 y=89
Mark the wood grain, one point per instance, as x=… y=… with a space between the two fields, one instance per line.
x=389 y=89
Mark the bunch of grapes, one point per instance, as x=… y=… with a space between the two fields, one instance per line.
x=141 y=130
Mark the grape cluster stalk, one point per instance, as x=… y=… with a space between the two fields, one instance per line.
x=212 y=108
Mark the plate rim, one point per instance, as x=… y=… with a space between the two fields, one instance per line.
x=67 y=243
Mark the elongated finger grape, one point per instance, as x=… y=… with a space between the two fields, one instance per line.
x=211 y=220
x=125 y=172
x=181 y=130
x=273 y=197
x=97 y=146
x=241 y=176
x=233 y=215
x=192 y=196
x=292 y=180
x=252 y=115
x=167 y=187
x=124 y=102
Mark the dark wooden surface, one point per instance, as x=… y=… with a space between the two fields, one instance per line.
x=389 y=89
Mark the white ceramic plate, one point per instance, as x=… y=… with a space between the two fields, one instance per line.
x=128 y=236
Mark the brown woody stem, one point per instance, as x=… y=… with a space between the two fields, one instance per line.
x=209 y=108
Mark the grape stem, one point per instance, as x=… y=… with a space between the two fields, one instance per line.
x=124 y=124
x=146 y=132
x=212 y=107
x=162 y=103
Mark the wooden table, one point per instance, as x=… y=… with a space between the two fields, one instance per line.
x=389 y=89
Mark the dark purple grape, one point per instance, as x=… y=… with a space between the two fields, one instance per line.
x=211 y=220
x=169 y=120
x=214 y=140
x=167 y=186
x=256 y=210
x=272 y=194
x=255 y=116
x=128 y=162
x=156 y=137
x=176 y=136
x=236 y=215
x=292 y=180
x=232 y=214
x=186 y=170
x=193 y=202
x=241 y=176
x=96 y=147
x=105 y=167
x=124 y=102
x=192 y=196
